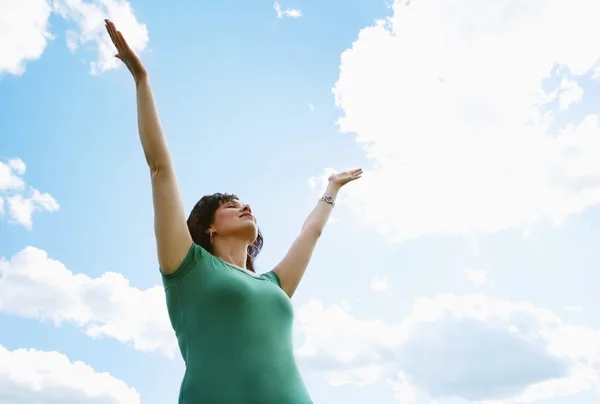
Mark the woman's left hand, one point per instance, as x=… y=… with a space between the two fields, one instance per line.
x=341 y=179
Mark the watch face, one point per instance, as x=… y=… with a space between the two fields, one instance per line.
x=328 y=199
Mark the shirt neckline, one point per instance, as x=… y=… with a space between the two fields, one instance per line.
x=245 y=271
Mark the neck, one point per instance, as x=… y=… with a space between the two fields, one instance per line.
x=232 y=251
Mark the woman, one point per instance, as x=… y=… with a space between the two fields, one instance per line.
x=234 y=327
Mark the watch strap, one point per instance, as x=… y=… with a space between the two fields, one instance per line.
x=328 y=199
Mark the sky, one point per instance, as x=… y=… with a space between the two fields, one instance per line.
x=462 y=268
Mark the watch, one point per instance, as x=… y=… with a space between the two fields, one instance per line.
x=328 y=199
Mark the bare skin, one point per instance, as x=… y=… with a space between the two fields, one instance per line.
x=292 y=267
x=173 y=239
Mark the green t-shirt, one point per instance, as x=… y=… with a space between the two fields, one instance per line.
x=234 y=332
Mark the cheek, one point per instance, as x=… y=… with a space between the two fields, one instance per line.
x=223 y=219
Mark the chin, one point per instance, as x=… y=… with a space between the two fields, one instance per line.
x=249 y=229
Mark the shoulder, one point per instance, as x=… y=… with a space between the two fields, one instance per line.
x=273 y=277
x=194 y=256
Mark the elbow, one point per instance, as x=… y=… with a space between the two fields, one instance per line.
x=155 y=171
x=158 y=162
x=314 y=229
x=154 y=168
x=157 y=168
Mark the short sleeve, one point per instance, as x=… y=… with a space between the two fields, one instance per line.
x=273 y=277
x=195 y=254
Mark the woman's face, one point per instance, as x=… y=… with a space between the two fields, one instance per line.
x=234 y=219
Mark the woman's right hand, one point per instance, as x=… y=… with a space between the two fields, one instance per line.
x=125 y=53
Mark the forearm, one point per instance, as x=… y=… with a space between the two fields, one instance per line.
x=150 y=130
x=318 y=218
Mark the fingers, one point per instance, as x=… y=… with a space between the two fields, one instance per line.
x=356 y=173
x=122 y=41
x=110 y=28
x=116 y=36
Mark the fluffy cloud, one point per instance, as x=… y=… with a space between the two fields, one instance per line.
x=25 y=33
x=286 y=13
x=465 y=110
x=30 y=376
x=10 y=175
x=33 y=285
x=570 y=92
x=442 y=350
x=21 y=208
x=21 y=203
x=89 y=16
x=476 y=276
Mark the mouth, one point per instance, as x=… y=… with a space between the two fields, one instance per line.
x=247 y=215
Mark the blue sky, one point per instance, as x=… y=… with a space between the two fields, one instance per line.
x=461 y=268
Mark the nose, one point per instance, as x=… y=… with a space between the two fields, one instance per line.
x=246 y=208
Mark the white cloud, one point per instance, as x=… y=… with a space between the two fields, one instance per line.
x=311 y=108
x=476 y=276
x=442 y=349
x=89 y=16
x=10 y=175
x=30 y=376
x=286 y=13
x=17 y=165
x=21 y=209
x=23 y=33
x=12 y=189
x=405 y=393
x=455 y=105
x=34 y=286
x=24 y=30
x=570 y=93
x=380 y=283
x=318 y=183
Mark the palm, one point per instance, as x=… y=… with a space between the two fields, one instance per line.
x=124 y=53
x=345 y=177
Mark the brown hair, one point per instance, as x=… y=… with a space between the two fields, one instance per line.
x=203 y=215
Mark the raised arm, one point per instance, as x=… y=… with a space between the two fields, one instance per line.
x=173 y=238
x=291 y=269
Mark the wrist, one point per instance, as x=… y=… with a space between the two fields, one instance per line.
x=332 y=190
x=140 y=77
